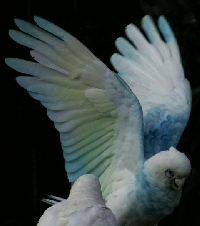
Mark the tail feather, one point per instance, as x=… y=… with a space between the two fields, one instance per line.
x=52 y=200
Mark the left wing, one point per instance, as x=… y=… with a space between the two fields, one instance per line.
x=98 y=117
x=153 y=70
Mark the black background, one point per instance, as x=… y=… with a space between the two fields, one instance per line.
x=31 y=158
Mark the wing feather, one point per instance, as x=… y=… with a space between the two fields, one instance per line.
x=98 y=117
x=153 y=70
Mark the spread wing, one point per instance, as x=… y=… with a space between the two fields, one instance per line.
x=98 y=117
x=153 y=70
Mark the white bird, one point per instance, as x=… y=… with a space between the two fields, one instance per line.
x=122 y=127
x=84 y=206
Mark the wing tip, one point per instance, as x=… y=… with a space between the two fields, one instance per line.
x=115 y=59
x=7 y=60
x=11 y=62
x=21 y=23
x=165 y=29
x=12 y=33
x=119 y=41
x=146 y=18
x=17 y=20
x=35 y=17
x=162 y=19
x=129 y=27
x=40 y=21
x=19 y=80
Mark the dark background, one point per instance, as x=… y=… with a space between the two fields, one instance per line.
x=31 y=158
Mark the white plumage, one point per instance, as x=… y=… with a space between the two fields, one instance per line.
x=84 y=206
x=120 y=127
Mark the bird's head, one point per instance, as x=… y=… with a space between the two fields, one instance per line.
x=168 y=169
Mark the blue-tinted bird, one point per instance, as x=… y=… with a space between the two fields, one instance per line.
x=121 y=126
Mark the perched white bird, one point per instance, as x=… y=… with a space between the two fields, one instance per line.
x=122 y=127
x=84 y=206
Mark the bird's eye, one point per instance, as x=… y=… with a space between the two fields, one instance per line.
x=169 y=173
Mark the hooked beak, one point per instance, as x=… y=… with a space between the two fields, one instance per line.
x=178 y=183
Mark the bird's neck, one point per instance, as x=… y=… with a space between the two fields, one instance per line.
x=157 y=202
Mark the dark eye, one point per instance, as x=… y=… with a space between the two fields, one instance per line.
x=169 y=173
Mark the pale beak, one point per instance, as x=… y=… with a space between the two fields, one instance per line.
x=178 y=183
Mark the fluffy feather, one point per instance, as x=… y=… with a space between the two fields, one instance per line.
x=84 y=206
x=119 y=127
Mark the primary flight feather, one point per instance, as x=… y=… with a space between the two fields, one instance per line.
x=122 y=127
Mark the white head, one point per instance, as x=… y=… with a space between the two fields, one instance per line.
x=168 y=169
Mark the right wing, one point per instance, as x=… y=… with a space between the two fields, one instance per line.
x=153 y=70
x=98 y=117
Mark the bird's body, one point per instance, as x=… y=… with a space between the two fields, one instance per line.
x=142 y=200
x=84 y=206
x=121 y=127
